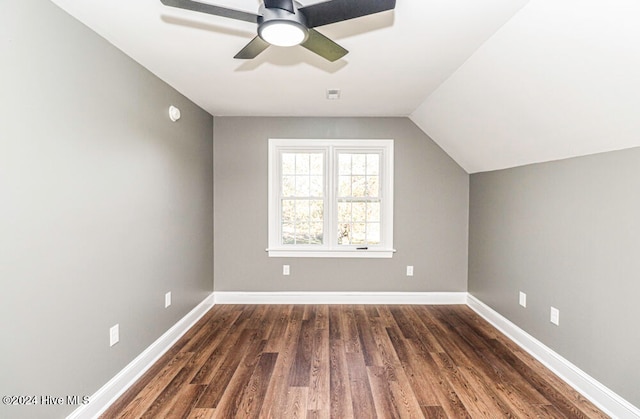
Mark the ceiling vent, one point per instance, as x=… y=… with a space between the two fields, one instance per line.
x=333 y=94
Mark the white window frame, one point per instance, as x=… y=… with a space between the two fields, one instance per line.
x=330 y=247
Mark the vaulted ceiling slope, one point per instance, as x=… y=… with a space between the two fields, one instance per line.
x=560 y=79
x=496 y=83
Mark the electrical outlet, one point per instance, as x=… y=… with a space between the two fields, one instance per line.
x=114 y=335
x=285 y=270
x=523 y=299
x=409 y=270
x=167 y=299
x=555 y=316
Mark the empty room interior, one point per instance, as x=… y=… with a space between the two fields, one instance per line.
x=415 y=209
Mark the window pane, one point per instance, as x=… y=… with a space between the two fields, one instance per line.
x=358 y=233
x=344 y=211
x=358 y=164
x=316 y=236
x=358 y=186
x=316 y=210
x=344 y=164
x=288 y=185
x=288 y=231
x=373 y=164
x=344 y=186
x=359 y=212
x=288 y=163
x=373 y=233
x=288 y=211
x=344 y=233
x=316 y=186
x=373 y=211
x=373 y=188
x=302 y=232
x=302 y=186
x=302 y=163
x=317 y=164
x=302 y=211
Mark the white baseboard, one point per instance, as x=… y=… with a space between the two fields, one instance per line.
x=105 y=396
x=237 y=297
x=608 y=401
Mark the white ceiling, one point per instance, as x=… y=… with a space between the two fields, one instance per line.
x=496 y=83
x=396 y=58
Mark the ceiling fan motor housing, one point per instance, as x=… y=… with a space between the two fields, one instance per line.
x=272 y=17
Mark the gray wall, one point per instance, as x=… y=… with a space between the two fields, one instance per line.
x=567 y=234
x=431 y=211
x=105 y=205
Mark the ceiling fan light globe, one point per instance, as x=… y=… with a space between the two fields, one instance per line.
x=283 y=33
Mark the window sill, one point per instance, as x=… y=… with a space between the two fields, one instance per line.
x=331 y=253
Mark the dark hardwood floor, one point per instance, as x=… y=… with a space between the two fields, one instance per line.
x=348 y=361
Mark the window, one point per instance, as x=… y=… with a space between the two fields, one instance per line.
x=330 y=198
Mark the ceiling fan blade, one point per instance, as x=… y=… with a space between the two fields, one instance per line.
x=323 y=46
x=252 y=49
x=332 y=11
x=279 y=4
x=212 y=10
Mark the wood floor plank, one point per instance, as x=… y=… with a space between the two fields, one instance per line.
x=367 y=343
x=445 y=394
x=384 y=347
x=147 y=395
x=276 y=336
x=319 y=382
x=350 y=335
x=199 y=413
x=403 y=322
x=219 y=345
x=322 y=317
x=335 y=323
x=415 y=370
x=476 y=403
x=360 y=387
x=184 y=400
x=419 y=320
x=381 y=392
x=433 y=412
x=301 y=368
x=296 y=403
x=224 y=373
x=231 y=400
x=347 y=361
x=168 y=397
x=276 y=396
x=341 y=403
x=253 y=396
x=404 y=399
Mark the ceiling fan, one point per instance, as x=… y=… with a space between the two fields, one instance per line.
x=288 y=23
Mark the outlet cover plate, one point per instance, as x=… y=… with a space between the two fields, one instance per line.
x=555 y=316
x=523 y=299
x=114 y=335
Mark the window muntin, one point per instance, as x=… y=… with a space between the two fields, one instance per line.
x=331 y=198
